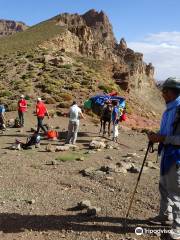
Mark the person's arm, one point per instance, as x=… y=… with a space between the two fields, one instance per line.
x=37 y=110
x=156 y=138
x=174 y=140
x=47 y=113
x=82 y=115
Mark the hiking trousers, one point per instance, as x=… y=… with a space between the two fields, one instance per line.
x=40 y=124
x=73 y=129
x=115 y=131
x=21 y=118
x=169 y=188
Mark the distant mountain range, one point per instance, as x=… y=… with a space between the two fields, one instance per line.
x=9 y=27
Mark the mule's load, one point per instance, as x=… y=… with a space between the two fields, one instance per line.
x=97 y=103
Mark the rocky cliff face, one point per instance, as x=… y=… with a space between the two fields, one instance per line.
x=8 y=27
x=91 y=35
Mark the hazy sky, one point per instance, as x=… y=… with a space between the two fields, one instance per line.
x=151 y=27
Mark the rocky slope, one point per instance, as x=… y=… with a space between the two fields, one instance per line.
x=91 y=35
x=9 y=27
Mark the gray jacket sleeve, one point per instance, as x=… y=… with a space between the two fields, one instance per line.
x=175 y=139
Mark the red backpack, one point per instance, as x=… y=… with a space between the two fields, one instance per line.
x=123 y=117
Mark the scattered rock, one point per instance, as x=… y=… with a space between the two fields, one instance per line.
x=109 y=157
x=109 y=168
x=90 y=152
x=31 y=201
x=134 y=169
x=84 y=204
x=121 y=170
x=50 y=148
x=109 y=178
x=142 y=149
x=108 y=146
x=62 y=148
x=107 y=237
x=151 y=165
x=54 y=162
x=72 y=146
x=97 y=145
x=126 y=165
x=92 y=211
x=11 y=122
x=88 y=171
x=131 y=155
x=80 y=159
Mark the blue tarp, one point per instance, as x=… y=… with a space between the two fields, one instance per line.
x=98 y=101
x=101 y=99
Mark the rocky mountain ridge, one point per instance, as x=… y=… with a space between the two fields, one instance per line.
x=91 y=35
x=9 y=27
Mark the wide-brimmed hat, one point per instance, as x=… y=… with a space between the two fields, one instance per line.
x=39 y=99
x=172 y=83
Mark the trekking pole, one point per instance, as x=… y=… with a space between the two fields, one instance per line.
x=149 y=149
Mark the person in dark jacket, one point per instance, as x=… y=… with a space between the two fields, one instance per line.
x=169 y=148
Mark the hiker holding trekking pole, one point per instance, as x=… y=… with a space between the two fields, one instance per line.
x=169 y=149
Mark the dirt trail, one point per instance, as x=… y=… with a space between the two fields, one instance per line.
x=35 y=195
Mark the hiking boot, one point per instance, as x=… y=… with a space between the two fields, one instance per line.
x=158 y=220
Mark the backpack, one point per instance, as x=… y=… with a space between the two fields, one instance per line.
x=32 y=140
x=107 y=113
x=52 y=134
x=123 y=117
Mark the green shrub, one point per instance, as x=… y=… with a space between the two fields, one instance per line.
x=12 y=107
x=85 y=82
x=5 y=93
x=50 y=100
x=66 y=96
x=76 y=85
x=68 y=157
x=67 y=66
x=64 y=105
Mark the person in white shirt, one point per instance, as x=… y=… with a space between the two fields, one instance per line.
x=73 y=127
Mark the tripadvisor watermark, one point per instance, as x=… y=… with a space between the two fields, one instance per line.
x=143 y=231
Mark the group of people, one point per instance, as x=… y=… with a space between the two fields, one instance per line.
x=111 y=112
x=41 y=112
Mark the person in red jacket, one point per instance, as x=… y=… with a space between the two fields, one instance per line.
x=41 y=111
x=22 y=108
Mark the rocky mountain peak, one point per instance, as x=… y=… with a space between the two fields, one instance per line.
x=9 y=27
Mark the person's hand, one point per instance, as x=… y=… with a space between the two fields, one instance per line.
x=155 y=138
